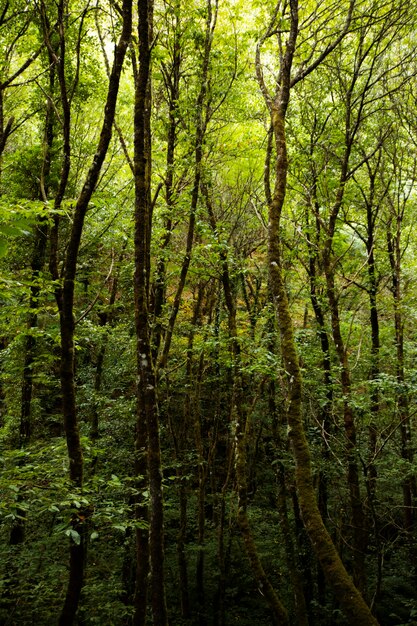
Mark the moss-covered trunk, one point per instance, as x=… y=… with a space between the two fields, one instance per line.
x=338 y=579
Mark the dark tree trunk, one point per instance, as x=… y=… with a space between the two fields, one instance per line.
x=201 y=126
x=172 y=80
x=147 y=407
x=326 y=407
x=371 y=214
x=359 y=523
x=105 y=319
x=409 y=484
x=65 y=297
x=37 y=263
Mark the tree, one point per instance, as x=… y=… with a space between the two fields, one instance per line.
x=349 y=597
x=65 y=295
x=238 y=376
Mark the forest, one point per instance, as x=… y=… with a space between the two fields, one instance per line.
x=208 y=306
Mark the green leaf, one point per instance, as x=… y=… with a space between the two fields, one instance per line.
x=74 y=536
x=3 y=247
x=119 y=527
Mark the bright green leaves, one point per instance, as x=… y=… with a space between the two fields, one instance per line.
x=17 y=220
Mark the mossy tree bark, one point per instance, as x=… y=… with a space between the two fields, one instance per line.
x=346 y=593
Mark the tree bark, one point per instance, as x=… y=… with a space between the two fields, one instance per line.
x=65 y=297
x=345 y=591
x=409 y=484
x=201 y=126
x=147 y=406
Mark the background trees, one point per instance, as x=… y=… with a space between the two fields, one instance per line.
x=138 y=321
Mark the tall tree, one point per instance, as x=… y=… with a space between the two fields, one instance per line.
x=347 y=594
x=147 y=428
x=65 y=295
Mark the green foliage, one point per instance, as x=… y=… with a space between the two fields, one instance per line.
x=335 y=118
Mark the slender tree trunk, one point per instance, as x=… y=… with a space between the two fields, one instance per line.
x=182 y=557
x=409 y=484
x=201 y=126
x=37 y=264
x=346 y=593
x=66 y=303
x=172 y=80
x=147 y=406
x=3 y=406
x=325 y=409
x=292 y=559
x=292 y=548
x=5 y=130
x=203 y=463
x=375 y=341
x=371 y=475
x=241 y=416
x=105 y=319
x=359 y=528
x=192 y=420
x=223 y=551
x=359 y=524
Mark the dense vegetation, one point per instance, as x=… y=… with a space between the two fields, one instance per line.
x=207 y=323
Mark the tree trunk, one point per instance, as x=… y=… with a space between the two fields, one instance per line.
x=172 y=80
x=359 y=525
x=409 y=484
x=345 y=591
x=65 y=297
x=241 y=417
x=325 y=409
x=147 y=407
x=201 y=126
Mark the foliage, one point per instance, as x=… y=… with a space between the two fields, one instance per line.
x=348 y=217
